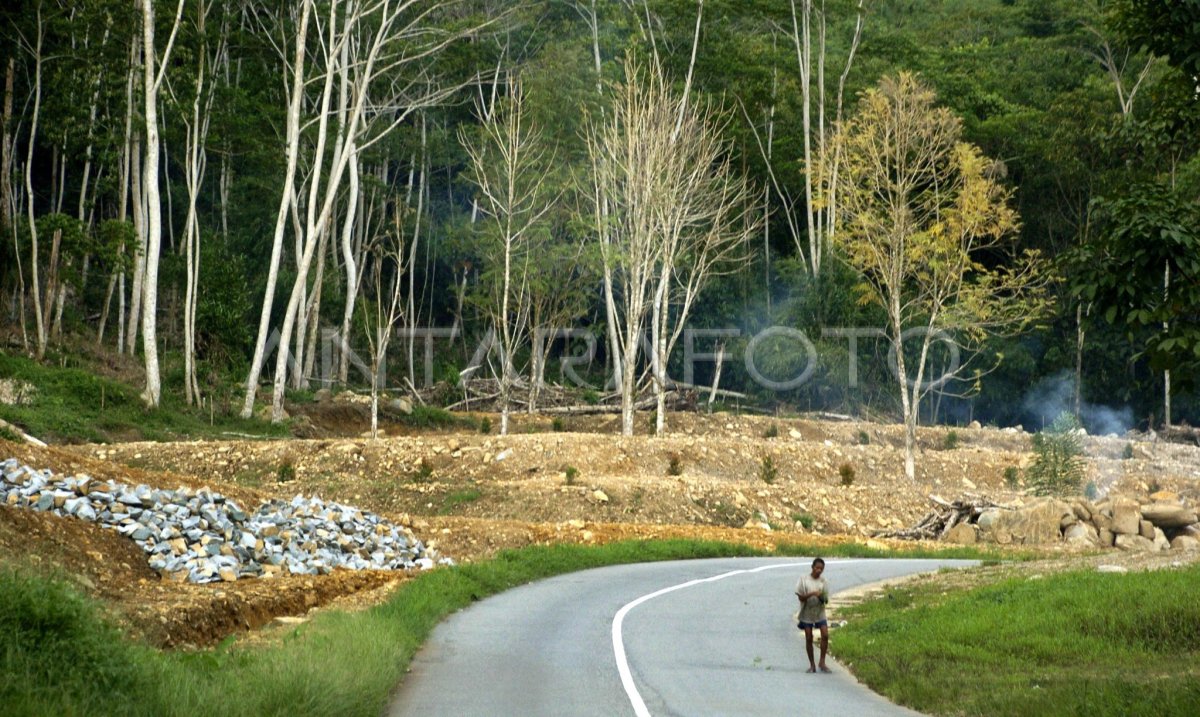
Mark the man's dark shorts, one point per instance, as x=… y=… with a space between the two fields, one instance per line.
x=811 y=625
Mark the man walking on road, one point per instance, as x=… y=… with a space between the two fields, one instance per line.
x=813 y=592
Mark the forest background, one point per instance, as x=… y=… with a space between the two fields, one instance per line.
x=186 y=182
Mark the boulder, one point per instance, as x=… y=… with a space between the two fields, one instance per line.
x=1134 y=543
x=988 y=518
x=1081 y=534
x=1106 y=537
x=1160 y=540
x=1146 y=529
x=401 y=405
x=323 y=395
x=1082 y=510
x=1126 y=517
x=1185 y=542
x=1168 y=515
x=962 y=534
x=1035 y=522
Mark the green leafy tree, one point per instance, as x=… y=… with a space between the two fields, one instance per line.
x=1151 y=232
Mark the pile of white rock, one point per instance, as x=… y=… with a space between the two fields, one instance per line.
x=202 y=537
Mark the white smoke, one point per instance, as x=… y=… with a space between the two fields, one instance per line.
x=1055 y=394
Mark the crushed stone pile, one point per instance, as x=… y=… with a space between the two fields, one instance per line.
x=201 y=536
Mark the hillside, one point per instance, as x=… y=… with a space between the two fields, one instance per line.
x=469 y=495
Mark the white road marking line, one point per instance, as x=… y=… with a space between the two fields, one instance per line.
x=635 y=697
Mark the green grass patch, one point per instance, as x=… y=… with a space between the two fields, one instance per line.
x=458 y=499
x=75 y=405
x=1075 y=643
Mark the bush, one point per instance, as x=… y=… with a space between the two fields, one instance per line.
x=286 y=472
x=771 y=432
x=864 y=438
x=675 y=467
x=804 y=519
x=846 y=473
x=558 y=425
x=767 y=470
x=1128 y=452
x=1012 y=477
x=55 y=637
x=1058 y=466
x=430 y=417
x=423 y=473
x=572 y=473
x=950 y=442
x=485 y=425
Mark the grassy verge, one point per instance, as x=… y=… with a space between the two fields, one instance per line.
x=74 y=404
x=57 y=654
x=1074 y=643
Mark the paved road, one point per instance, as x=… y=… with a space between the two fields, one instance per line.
x=692 y=638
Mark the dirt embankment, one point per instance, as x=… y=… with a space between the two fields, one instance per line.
x=752 y=480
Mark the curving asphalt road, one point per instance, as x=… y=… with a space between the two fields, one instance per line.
x=696 y=637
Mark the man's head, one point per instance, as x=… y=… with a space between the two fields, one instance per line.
x=818 y=567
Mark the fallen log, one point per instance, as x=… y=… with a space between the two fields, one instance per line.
x=24 y=436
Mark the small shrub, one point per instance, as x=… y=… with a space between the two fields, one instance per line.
x=846 y=473
x=591 y=397
x=1058 y=464
x=767 y=470
x=1091 y=492
x=424 y=472
x=1128 y=452
x=558 y=425
x=771 y=432
x=286 y=472
x=950 y=442
x=1012 y=477
x=485 y=425
x=572 y=473
x=804 y=519
x=8 y=434
x=864 y=438
x=675 y=466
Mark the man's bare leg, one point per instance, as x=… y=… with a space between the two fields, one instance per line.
x=808 y=646
x=824 y=648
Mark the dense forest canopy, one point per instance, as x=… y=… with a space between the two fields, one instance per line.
x=198 y=183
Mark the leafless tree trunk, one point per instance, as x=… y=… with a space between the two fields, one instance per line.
x=508 y=166
x=676 y=211
x=39 y=317
x=295 y=105
x=153 y=391
x=6 y=150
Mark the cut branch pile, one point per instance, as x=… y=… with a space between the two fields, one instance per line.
x=942 y=518
x=483 y=394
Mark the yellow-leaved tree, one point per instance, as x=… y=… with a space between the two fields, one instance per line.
x=927 y=223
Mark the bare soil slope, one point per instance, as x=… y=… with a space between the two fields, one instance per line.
x=752 y=480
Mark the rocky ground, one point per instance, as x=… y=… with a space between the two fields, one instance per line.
x=750 y=479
